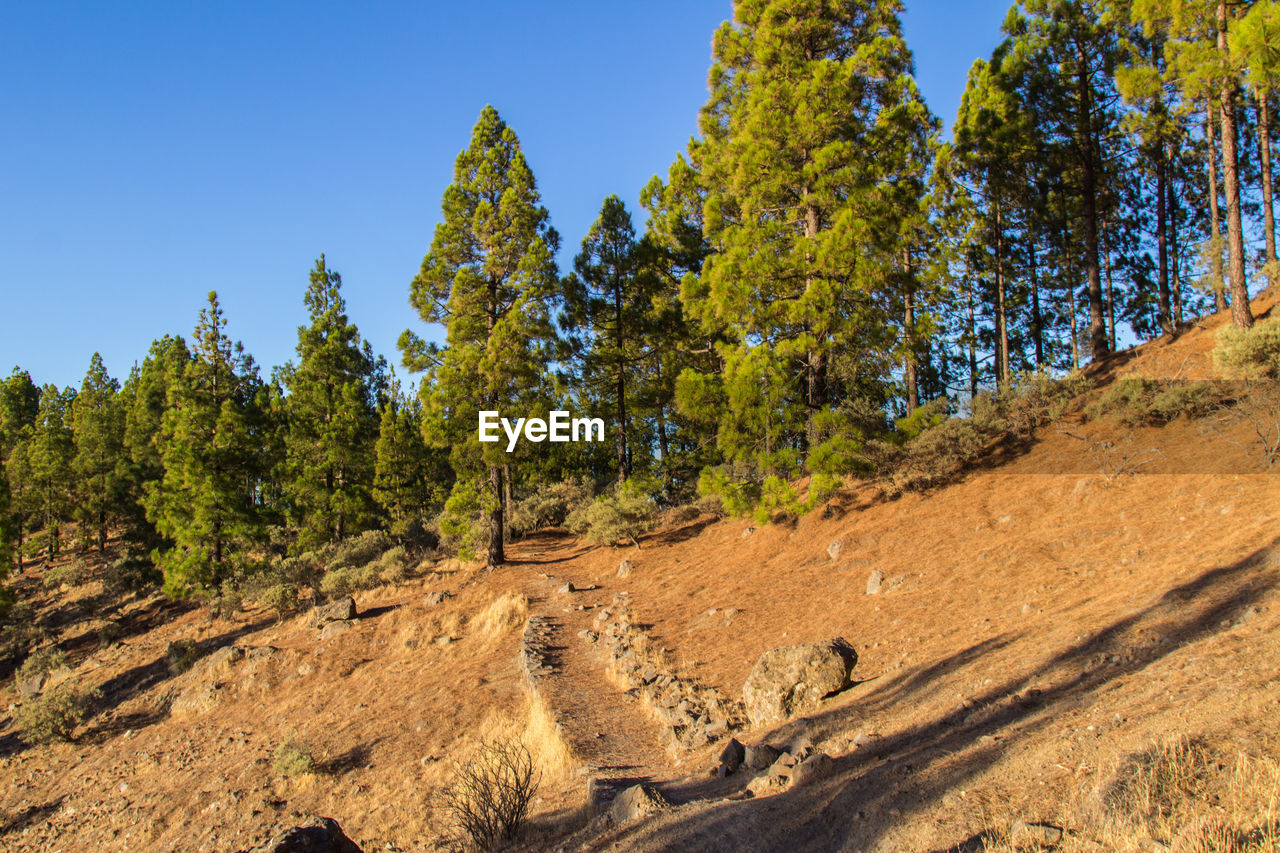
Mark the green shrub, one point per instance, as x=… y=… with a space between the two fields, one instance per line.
x=1138 y=402
x=927 y=416
x=549 y=505
x=393 y=566
x=1249 y=353
x=293 y=758
x=54 y=714
x=737 y=497
x=132 y=572
x=359 y=550
x=938 y=454
x=72 y=574
x=1034 y=399
x=109 y=632
x=625 y=513
x=182 y=655
x=340 y=582
x=463 y=525
x=40 y=662
x=282 y=598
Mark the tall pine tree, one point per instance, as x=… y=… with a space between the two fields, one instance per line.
x=490 y=278
x=332 y=419
x=97 y=426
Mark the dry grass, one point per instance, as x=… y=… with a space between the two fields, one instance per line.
x=546 y=742
x=507 y=611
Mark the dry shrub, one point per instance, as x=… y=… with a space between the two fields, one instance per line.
x=507 y=611
x=489 y=798
x=54 y=714
x=1258 y=410
x=549 y=505
x=624 y=513
x=182 y=655
x=282 y=598
x=1138 y=402
x=1249 y=353
x=359 y=550
x=293 y=758
x=72 y=574
x=339 y=582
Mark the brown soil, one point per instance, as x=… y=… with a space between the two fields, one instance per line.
x=1046 y=615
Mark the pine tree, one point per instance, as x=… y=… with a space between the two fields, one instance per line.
x=409 y=479
x=205 y=502
x=608 y=313
x=489 y=278
x=1256 y=42
x=49 y=455
x=19 y=404
x=815 y=148
x=97 y=427
x=144 y=400
x=331 y=417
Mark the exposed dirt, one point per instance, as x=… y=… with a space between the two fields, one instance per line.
x=1041 y=616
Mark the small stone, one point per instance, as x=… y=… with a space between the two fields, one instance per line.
x=437 y=597
x=834 y=549
x=567 y=588
x=760 y=756
x=813 y=769
x=748 y=532
x=1023 y=833
x=636 y=802
x=874 y=581
x=588 y=635
x=333 y=629
x=624 y=568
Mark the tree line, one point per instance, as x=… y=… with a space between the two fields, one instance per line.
x=816 y=265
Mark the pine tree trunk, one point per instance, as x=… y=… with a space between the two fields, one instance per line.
x=973 y=348
x=1162 y=245
x=909 y=366
x=497 y=523
x=1089 y=190
x=1037 y=319
x=1215 y=214
x=624 y=469
x=506 y=491
x=1002 y=320
x=1240 y=312
x=909 y=326
x=1110 y=293
x=102 y=530
x=1264 y=159
x=1174 y=249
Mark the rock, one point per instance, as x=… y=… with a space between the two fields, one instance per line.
x=794 y=679
x=199 y=700
x=435 y=598
x=624 y=568
x=834 y=549
x=636 y=802
x=588 y=635
x=29 y=687
x=732 y=756
x=341 y=610
x=815 y=768
x=56 y=677
x=746 y=533
x=760 y=756
x=1024 y=834
x=717 y=729
x=567 y=588
x=874 y=581
x=318 y=835
x=333 y=629
x=762 y=785
x=223 y=659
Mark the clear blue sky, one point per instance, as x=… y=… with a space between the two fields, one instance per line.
x=151 y=152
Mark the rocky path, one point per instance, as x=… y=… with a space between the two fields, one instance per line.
x=608 y=729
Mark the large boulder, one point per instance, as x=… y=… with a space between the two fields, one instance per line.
x=340 y=610
x=318 y=835
x=789 y=681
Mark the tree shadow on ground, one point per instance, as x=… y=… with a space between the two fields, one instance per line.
x=28 y=816
x=912 y=770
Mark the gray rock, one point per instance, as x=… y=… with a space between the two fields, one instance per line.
x=437 y=597
x=341 y=610
x=637 y=802
x=29 y=687
x=791 y=680
x=813 y=769
x=732 y=756
x=834 y=549
x=624 y=568
x=318 y=835
x=333 y=629
x=760 y=757
x=1026 y=834
x=875 y=581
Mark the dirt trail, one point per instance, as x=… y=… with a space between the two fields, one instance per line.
x=608 y=730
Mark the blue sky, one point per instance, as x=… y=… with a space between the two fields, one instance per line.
x=152 y=152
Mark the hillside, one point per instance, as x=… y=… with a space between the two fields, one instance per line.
x=1081 y=596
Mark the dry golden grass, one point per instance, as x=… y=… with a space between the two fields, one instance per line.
x=507 y=611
